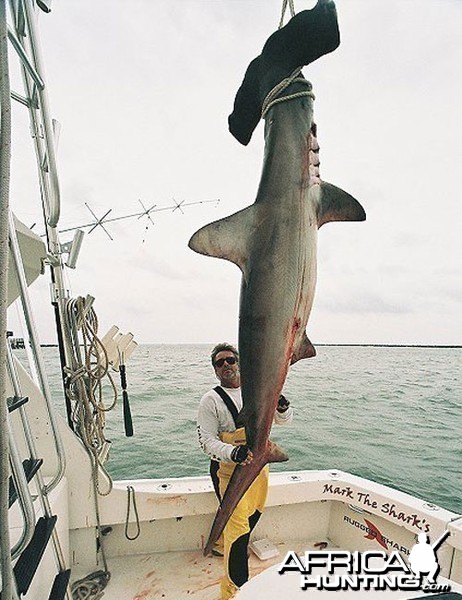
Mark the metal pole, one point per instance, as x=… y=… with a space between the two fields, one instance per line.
x=54 y=198
x=5 y=160
x=24 y=499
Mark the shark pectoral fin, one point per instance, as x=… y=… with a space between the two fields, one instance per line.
x=276 y=454
x=227 y=238
x=337 y=205
x=304 y=350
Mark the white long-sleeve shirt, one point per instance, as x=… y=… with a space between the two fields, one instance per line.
x=214 y=417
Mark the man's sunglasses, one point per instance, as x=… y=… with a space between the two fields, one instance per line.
x=231 y=360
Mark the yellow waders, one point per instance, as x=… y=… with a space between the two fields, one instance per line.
x=244 y=518
x=218 y=548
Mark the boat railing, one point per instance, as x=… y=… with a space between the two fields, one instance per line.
x=24 y=40
x=40 y=373
x=35 y=534
x=24 y=496
x=19 y=475
x=37 y=98
x=45 y=132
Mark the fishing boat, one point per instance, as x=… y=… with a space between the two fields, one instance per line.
x=69 y=531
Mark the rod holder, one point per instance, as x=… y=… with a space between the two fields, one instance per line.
x=74 y=249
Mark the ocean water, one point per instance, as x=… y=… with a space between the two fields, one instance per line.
x=390 y=414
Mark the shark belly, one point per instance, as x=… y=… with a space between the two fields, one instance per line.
x=276 y=298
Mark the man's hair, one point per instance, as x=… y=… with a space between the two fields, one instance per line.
x=224 y=346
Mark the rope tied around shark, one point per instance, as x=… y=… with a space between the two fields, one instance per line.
x=272 y=97
x=284 y=8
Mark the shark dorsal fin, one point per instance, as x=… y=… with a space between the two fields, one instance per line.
x=228 y=238
x=337 y=205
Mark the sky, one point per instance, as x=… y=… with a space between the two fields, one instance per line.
x=143 y=90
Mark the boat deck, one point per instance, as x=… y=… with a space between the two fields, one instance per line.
x=174 y=575
x=189 y=575
x=184 y=575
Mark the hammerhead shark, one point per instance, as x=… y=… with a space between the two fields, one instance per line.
x=274 y=241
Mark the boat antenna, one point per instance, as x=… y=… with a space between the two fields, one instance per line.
x=146 y=212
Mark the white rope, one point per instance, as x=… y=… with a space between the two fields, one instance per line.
x=284 y=8
x=85 y=392
x=85 y=383
x=272 y=97
x=5 y=162
x=91 y=586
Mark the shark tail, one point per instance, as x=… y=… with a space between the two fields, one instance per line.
x=241 y=480
x=309 y=35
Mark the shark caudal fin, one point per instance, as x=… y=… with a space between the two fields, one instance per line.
x=228 y=238
x=241 y=479
x=337 y=205
x=309 y=35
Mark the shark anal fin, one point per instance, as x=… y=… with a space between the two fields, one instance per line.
x=337 y=205
x=304 y=350
x=275 y=453
x=228 y=238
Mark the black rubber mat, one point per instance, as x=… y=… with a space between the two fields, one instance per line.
x=26 y=567
x=15 y=402
x=30 y=466
x=58 y=591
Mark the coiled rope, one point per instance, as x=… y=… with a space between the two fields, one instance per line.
x=85 y=382
x=84 y=389
x=91 y=586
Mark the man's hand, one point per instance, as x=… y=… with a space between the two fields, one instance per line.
x=283 y=404
x=242 y=455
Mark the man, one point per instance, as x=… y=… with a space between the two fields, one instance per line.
x=222 y=437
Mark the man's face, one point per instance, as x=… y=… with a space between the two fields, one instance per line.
x=227 y=368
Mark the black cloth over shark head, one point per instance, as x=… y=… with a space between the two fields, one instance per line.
x=307 y=36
